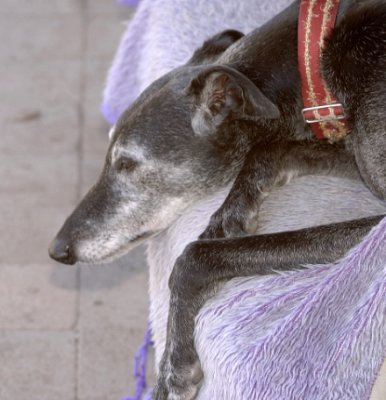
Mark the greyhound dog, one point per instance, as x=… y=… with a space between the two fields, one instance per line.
x=233 y=113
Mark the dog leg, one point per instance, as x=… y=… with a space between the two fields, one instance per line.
x=205 y=264
x=270 y=165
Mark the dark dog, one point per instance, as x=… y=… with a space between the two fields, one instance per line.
x=234 y=111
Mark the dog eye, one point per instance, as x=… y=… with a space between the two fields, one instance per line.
x=126 y=164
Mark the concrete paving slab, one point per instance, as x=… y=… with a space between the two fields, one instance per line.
x=40 y=127
x=27 y=228
x=39 y=38
x=92 y=165
x=115 y=293
x=37 y=366
x=39 y=7
x=106 y=363
x=95 y=77
x=113 y=316
x=47 y=179
x=379 y=388
x=37 y=194
x=38 y=297
x=95 y=129
x=35 y=121
x=103 y=36
x=54 y=140
x=95 y=138
x=47 y=84
x=112 y=9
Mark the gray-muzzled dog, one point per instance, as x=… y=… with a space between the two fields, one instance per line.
x=233 y=112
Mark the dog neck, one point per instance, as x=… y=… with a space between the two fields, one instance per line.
x=314 y=27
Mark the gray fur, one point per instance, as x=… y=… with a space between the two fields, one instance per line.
x=204 y=126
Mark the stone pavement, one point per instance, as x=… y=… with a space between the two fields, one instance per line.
x=66 y=333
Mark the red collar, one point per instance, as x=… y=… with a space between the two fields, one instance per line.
x=321 y=109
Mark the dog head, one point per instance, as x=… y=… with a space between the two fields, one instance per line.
x=176 y=144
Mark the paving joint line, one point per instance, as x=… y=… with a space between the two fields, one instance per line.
x=80 y=161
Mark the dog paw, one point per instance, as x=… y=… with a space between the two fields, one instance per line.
x=180 y=383
x=224 y=225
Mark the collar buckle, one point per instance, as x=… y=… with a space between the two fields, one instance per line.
x=326 y=113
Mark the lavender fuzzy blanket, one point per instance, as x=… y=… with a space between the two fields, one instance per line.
x=313 y=334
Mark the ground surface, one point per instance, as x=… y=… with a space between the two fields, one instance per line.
x=66 y=333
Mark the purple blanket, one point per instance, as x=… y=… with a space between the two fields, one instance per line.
x=312 y=334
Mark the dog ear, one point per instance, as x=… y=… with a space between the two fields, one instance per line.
x=223 y=94
x=214 y=47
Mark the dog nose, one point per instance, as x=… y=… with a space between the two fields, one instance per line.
x=60 y=251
